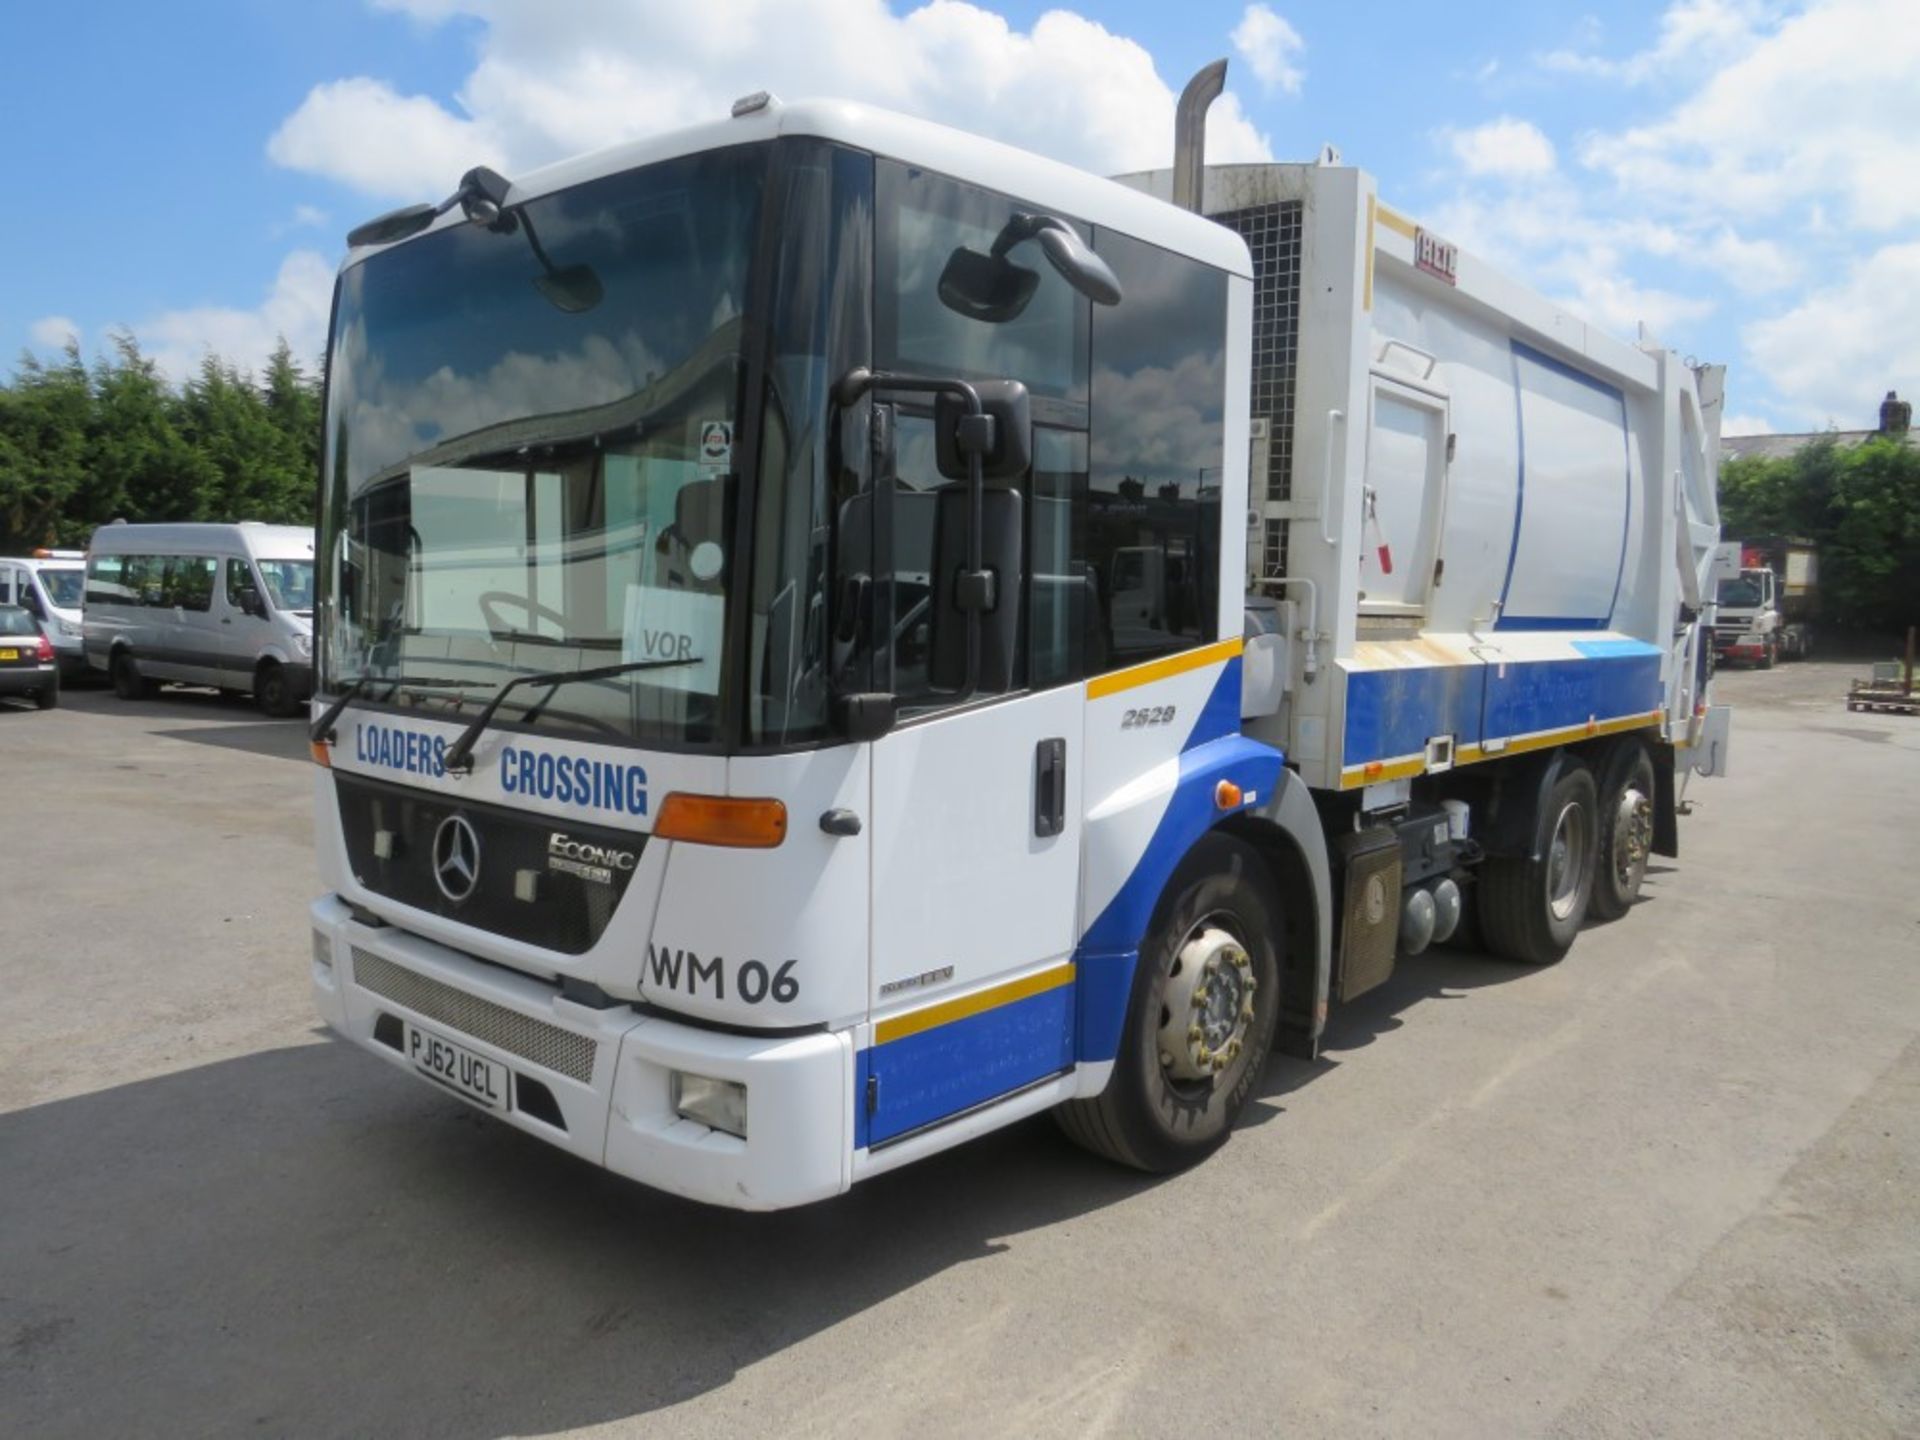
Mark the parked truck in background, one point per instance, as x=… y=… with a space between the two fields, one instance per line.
x=1766 y=611
x=836 y=635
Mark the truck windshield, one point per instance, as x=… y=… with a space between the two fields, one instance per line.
x=529 y=467
x=1741 y=592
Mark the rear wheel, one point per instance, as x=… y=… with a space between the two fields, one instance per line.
x=1531 y=908
x=1206 y=993
x=48 y=695
x=1626 y=831
x=273 y=691
x=128 y=682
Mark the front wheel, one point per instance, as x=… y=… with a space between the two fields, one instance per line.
x=1626 y=832
x=1206 y=995
x=274 y=692
x=1531 y=906
x=128 y=682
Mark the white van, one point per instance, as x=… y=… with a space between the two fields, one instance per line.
x=48 y=584
x=224 y=605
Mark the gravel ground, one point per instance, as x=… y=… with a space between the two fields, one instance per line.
x=1670 y=1187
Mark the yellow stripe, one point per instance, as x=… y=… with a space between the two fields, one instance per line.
x=1396 y=222
x=1366 y=299
x=1353 y=776
x=947 y=1011
x=1104 y=685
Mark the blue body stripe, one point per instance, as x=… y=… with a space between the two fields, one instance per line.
x=1394 y=712
x=1108 y=951
x=1538 y=695
x=952 y=1067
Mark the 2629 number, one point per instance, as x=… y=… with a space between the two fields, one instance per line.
x=1147 y=715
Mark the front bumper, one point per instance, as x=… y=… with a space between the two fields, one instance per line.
x=608 y=1072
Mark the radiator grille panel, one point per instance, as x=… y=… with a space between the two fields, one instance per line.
x=547 y=1046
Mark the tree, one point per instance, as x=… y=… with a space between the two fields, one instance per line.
x=1861 y=506
x=80 y=447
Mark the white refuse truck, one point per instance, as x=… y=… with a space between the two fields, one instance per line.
x=836 y=635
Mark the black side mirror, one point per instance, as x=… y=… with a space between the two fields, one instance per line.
x=1005 y=444
x=988 y=288
x=991 y=288
x=867 y=716
x=251 y=603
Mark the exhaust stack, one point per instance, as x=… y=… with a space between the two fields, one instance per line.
x=1190 y=133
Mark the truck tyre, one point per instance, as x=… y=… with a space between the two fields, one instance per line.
x=128 y=682
x=1530 y=909
x=1200 y=1022
x=1626 y=831
x=273 y=692
x=1769 y=653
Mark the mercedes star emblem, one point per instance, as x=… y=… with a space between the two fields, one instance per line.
x=456 y=858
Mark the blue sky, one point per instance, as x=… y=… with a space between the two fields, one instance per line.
x=1737 y=173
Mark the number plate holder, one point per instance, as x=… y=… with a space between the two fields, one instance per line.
x=483 y=1081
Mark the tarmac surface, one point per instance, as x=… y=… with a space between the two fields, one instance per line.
x=1669 y=1187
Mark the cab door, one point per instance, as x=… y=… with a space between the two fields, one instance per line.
x=976 y=834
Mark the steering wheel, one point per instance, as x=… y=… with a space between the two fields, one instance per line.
x=491 y=599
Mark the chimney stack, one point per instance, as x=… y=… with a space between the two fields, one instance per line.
x=1896 y=415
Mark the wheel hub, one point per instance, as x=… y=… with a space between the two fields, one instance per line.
x=1632 y=836
x=1566 y=862
x=1208 y=1006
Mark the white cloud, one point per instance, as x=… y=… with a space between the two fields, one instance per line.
x=1835 y=353
x=552 y=81
x=1746 y=425
x=295 y=307
x=361 y=133
x=1610 y=300
x=1824 y=107
x=1271 y=47
x=1693 y=33
x=1504 y=147
x=52 y=332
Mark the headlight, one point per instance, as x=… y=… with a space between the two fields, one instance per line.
x=304 y=644
x=69 y=628
x=721 y=1104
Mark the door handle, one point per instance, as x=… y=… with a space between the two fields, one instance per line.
x=1050 y=787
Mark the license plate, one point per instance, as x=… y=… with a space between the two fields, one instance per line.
x=458 y=1068
x=9 y=654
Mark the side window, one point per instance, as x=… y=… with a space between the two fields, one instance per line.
x=6 y=585
x=239 y=578
x=189 y=581
x=924 y=220
x=145 y=579
x=1153 y=502
x=926 y=224
x=105 y=580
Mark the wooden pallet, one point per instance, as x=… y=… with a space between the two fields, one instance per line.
x=1882 y=701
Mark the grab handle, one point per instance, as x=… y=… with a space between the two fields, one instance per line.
x=1334 y=417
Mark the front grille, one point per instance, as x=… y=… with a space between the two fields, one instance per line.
x=519 y=894
x=547 y=1046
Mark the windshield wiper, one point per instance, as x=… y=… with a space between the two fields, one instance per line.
x=323 y=727
x=459 y=756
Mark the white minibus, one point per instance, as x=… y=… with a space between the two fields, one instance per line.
x=223 y=605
